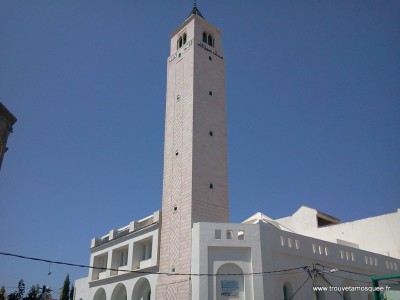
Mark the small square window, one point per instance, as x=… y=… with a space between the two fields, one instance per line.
x=210 y=58
x=211 y=133
x=229 y=234
x=217 y=234
x=241 y=235
x=210 y=93
x=211 y=186
x=175 y=208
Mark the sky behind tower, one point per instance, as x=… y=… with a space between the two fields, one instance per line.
x=313 y=116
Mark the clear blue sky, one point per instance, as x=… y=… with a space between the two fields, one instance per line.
x=313 y=90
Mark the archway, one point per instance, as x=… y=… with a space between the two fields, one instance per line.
x=230 y=282
x=100 y=294
x=142 y=290
x=119 y=292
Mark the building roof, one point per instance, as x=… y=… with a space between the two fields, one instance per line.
x=195 y=11
x=257 y=217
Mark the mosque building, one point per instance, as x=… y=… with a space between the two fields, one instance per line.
x=190 y=250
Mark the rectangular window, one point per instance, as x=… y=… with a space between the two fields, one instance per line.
x=217 y=234
x=240 y=235
x=123 y=258
x=297 y=243
x=229 y=234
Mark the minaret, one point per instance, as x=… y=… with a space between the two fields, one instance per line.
x=7 y=120
x=195 y=183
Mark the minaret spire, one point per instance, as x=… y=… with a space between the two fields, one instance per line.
x=195 y=10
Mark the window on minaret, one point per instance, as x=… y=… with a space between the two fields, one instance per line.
x=204 y=37
x=210 y=40
x=180 y=42
x=184 y=38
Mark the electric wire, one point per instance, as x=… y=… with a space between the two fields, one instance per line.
x=358 y=273
x=299 y=288
x=346 y=271
x=146 y=272
x=362 y=281
x=323 y=277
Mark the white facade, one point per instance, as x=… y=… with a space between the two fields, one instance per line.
x=125 y=263
x=259 y=250
x=380 y=234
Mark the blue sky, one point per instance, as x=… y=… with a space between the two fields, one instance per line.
x=313 y=116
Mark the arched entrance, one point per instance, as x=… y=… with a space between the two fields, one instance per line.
x=230 y=282
x=142 y=290
x=100 y=294
x=119 y=292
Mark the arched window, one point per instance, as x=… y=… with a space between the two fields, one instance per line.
x=180 y=42
x=204 y=37
x=184 y=38
x=209 y=41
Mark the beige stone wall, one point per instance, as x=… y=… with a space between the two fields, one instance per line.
x=195 y=184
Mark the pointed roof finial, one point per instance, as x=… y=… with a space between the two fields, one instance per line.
x=195 y=10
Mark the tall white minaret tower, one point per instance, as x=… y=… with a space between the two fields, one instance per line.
x=195 y=186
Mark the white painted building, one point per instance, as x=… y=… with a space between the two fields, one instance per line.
x=192 y=251
x=125 y=262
